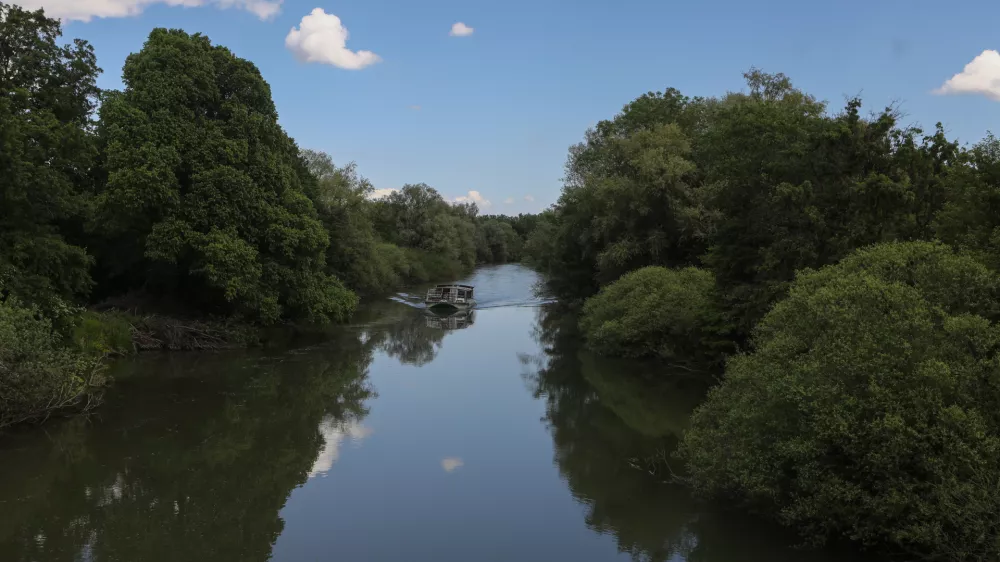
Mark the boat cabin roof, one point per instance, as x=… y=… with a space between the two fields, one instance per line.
x=454 y=285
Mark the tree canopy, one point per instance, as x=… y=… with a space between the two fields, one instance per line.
x=48 y=94
x=868 y=408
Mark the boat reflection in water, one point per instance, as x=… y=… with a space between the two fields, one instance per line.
x=449 y=320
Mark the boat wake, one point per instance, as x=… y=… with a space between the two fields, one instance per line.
x=499 y=286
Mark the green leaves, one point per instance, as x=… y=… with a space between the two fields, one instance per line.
x=202 y=175
x=47 y=95
x=657 y=312
x=868 y=409
x=38 y=374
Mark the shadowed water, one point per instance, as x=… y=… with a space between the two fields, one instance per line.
x=407 y=436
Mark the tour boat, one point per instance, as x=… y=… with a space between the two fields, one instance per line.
x=450 y=296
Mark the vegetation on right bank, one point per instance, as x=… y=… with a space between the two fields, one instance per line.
x=668 y=314
x=869 y=407
x=841 y=266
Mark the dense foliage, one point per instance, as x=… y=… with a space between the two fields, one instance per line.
x=39 y=375
x=671 y=314
x=823 y=243
x=184 y=196
x=753 y=186
x=47 y=151
x=204 y=194
x=869 y=408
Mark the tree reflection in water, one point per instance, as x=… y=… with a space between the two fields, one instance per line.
x=455 y=320
x=411 y=336
x=613 y=425
x=212 y=448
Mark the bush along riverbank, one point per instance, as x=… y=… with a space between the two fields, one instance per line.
x=840 y=271
x=183 y=188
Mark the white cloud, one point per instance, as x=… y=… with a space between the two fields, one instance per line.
x=380 y=193
x=452 y=464
x=415 y=107
x=322 y=38
x=461 y=30
x=508 y=201
x=334 y=433
x=529 y=198
x=981 y=76
x=474 y=197
x=85 y=10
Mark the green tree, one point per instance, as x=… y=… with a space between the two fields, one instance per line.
x=793 y=187
x=870 y=407
x=970 y=219
x=48 y=94
x=658 y=312
x=341 y=197
x=206 y=194
x=497 y=241
x=631 y=195
x=440 y=237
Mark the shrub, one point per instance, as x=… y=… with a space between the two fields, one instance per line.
x=38 y=375
x=656 y=312
x=108 y=333
x=870 y=408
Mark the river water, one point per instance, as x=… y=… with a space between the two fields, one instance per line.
x=486 y=437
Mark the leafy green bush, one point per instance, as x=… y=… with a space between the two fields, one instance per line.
x=870 y=408
x=656 y=312
x=38 y=375
x=108 y=333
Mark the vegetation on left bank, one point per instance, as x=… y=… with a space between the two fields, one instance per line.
x=181 y=210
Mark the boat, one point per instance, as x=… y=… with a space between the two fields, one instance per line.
x=454 y=297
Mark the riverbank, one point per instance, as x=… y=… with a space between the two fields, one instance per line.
x=75 y=353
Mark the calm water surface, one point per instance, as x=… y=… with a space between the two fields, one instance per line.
x=483 y=437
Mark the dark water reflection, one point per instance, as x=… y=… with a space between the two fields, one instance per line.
x=489 y=436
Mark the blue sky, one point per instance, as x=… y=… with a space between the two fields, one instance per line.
x=495 y=111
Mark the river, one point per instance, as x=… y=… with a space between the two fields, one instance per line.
x=487 y=437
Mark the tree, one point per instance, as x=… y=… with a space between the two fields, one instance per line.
x=497 y=241
x=969 y=219
x=870 y=407
x=48 y=94
x=340 y=195
x=406 y=216
x=658 y=312
x=794 y=188
x=631 y=196
x=206 y=196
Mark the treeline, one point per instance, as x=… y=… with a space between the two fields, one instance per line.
x=181 y=195
x=842 y=268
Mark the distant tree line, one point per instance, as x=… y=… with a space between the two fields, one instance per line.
x=182 y=193
x=842 y=267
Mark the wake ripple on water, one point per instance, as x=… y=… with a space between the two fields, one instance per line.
x=497 y=286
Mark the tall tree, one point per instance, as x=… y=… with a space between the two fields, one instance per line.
x=206 y=194
x=796 y=188
x=48 y=94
